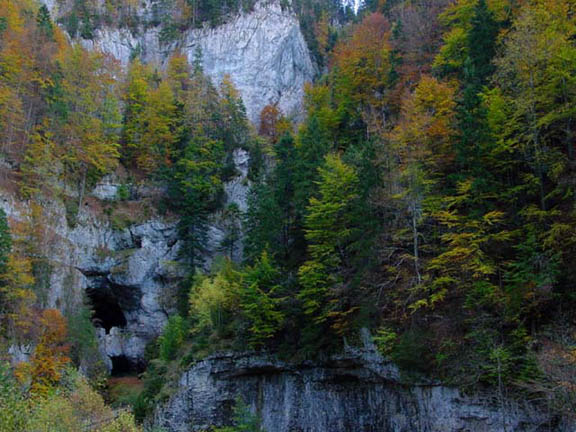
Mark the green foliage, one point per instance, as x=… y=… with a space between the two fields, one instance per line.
x=71 y=207
x=402 y=202
x=45 y=22
x=331 y=229
x=411 y=353
x=385 y=340
x=5 y=242
x=13 y=404
x=195 y=189
x=243 y=418
x=172 y=338
x=212 y=300
x=259 y=302
x=271 y=220
x=149 y=133
x=84 y=344
x=238 y=304
x=313 y=145
x=69 y=409
x=123 y=192
x=154 y=380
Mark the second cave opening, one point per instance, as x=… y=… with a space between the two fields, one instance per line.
x=107 y=313
x=124 y=366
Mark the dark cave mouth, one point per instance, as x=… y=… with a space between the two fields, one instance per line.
x=106 y=312
x=108 y=303
x=124 y=366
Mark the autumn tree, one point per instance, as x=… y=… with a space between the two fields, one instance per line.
x=363 y=64
x=269 y=119
x=5 y=242
x=16 y=283
x=331 y=230
x=50 y=355
x=422 y=140
x=136 y=99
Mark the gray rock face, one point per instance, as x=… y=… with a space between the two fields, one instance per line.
x=131 y=286
x=263 y=51
x=356 y=391
x=225 y=234
x=129 y=275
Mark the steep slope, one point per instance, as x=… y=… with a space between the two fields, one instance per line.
x=263 y=51
x=354 y=391
x=128 y=274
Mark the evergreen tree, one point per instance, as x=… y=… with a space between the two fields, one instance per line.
x=45 y=22
x=172 y=338
x=244 y=420
x=194 y=191
x=478 y=67
x=5 y=243
x=271 y=219
x=312 y=146
x=258 y=297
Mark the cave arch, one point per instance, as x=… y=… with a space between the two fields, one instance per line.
x=106 y=311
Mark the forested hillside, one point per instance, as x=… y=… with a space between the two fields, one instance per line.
x=428 y=195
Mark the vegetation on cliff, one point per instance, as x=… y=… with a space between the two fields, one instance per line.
x=428 y=194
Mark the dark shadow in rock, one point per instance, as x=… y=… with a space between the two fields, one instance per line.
x=106 y=310
x=124 y=366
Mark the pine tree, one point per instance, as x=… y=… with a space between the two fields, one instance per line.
x=194 y=190
x=271 y=220
x=312 y=146
x=45 y=22
x=5 y=243
x=259 y=301
x=478 y=67
x=172 y=338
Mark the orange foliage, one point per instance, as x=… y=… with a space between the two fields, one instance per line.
x=426 y=125
x=322 y=32
x=50 y=356
x=364 y=60
x=269 y=118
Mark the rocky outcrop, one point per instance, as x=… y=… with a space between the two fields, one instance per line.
x=263 y=51
x=125 y=274
x=130 y=286
x=355 y=391
x=128 y=275
x=225 y=231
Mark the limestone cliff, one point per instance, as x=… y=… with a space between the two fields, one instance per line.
x=355 y=391
x=129 y=274
x=263 y=51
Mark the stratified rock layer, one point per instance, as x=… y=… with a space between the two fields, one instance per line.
x=354 y=392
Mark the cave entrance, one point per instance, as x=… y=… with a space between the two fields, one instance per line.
x=106 y=310
x=123 y=366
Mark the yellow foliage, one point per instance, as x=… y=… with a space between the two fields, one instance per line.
x=50 y=358
x=211 y=298
x=364 y=61
x=80 y=409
